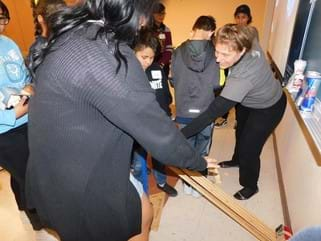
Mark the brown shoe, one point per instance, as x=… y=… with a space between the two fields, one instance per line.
x=170 y=191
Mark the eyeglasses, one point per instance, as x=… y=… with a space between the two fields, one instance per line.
x=4 y=20
x=161 y=13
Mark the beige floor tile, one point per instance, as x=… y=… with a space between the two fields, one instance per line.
x=11 y=226
x=189 y=219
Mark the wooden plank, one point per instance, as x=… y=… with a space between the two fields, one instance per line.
x=228 y=205
x=157 y=201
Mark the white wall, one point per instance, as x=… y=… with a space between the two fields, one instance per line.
x=267 y=24
x=282 y=30
x=300 y=172
x=181 y=15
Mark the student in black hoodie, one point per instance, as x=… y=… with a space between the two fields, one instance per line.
x=195 y=75
x=260 y=99
x=146 y=46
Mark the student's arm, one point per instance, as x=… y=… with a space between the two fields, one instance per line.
x=166 y=90
x=167 y=54
x=172 y=70
x=24 y=72
x=217 y=108
x=22 y=107
x=9 y=117
x=131 y=105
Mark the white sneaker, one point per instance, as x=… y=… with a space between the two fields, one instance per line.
x=195 y=193
x=187 y=189
x=44 y=235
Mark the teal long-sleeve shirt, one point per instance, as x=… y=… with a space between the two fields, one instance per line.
x=13 y=76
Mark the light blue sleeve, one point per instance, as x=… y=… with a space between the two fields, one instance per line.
x=11 y=54
x=27 y=79
x=8 y=120
x=26 y=74
x=7 y=117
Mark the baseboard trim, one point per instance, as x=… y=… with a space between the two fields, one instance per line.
x=285 y=209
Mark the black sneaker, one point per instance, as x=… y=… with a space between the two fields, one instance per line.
x=34 y=219
x=228 y=164
x=170 y=191
x=220 y=124
x=245 y=193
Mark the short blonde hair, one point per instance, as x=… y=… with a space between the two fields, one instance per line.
x=236 y=36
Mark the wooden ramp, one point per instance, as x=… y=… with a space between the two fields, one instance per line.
x=228 y=205
x=158 y=201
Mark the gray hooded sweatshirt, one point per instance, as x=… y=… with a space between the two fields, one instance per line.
x=195 y=76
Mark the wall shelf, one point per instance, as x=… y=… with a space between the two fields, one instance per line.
x=309 y=124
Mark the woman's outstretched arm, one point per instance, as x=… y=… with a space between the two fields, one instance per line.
x=217 y=108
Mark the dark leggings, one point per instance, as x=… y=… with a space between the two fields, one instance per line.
x=254 y=126
x=13 y=157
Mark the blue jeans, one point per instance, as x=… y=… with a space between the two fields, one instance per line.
x=202 y=141
x=140 y=168
x=159 y=172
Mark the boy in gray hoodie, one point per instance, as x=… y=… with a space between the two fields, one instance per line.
x=195 y=75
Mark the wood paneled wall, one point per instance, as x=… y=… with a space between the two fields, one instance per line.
x=180 y=17
x=21 y=26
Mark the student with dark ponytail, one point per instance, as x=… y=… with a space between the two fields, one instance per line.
x=41 y=11
x=92 y=99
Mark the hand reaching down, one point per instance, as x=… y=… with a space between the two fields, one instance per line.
x=22 y=107
x=28 y=90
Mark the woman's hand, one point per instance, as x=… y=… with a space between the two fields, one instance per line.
x=22 y=107
x=211 y=162
x=28 y=90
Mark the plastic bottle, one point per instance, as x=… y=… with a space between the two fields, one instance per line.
x=296 y=80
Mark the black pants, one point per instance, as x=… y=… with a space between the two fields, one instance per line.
x=254 y=126
x=14 y=155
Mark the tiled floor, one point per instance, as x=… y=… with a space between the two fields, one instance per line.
x=11 y=226
x=184 y=218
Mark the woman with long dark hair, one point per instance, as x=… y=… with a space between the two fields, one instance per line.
x=15 y=89
x=92 y=99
